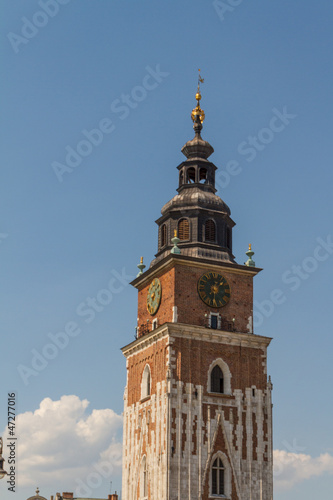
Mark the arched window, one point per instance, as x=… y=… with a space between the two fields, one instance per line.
x=219 y=377
x=183 y=229
x=144 y=479
x=191 y=175
x=181 y=178
x=218 y=477
x=145 y=384
x=210 y=230
x=216 y=380
x=203 y=175
x=163 y=235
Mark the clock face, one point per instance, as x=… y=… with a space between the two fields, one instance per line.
x=154 y=296
x=214 y=289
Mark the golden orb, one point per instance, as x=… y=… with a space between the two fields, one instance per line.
x=198 y=96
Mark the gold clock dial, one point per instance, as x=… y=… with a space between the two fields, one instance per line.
x=214 y=290
x=154 y=296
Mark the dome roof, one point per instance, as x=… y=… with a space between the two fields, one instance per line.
x=190 y=198
x=37 y=496
x=197 y=147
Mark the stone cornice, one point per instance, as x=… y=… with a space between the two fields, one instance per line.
x=180 y=330
x=172 y=259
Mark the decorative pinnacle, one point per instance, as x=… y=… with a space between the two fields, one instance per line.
x=198 y=114
x=37 y=491
x=249 y=253
x=141 y=266
x=175 y=240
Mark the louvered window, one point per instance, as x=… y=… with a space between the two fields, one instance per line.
x=210 y=231
x=183 y=229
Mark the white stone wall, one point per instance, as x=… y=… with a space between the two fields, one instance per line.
x=190 y=472
x=141 y=420
x=177 y=430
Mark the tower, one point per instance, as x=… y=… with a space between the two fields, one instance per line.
x=197 y=404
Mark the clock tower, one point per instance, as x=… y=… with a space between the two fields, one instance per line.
x=197 y=404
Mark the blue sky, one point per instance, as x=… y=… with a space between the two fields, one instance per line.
x=64 y=236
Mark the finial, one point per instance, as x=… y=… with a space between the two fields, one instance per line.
x=37 y=491
x=249 y=253
x=175 y=240
x=141 y=266
x=198 y=114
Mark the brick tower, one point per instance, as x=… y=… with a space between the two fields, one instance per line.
x=197 y=404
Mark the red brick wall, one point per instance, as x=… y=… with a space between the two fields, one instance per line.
x=194 y=358
x=179 y=287
x=192 y=310
x=155 y=356
x=164 y=313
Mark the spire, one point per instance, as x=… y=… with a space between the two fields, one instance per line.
x=198 y=114
x=202 y=220
x=197 y=147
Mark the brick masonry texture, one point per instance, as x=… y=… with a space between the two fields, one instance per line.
x=179 y=288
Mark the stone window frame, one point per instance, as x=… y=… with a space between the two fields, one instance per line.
x=146 y=383
x=227 y=476
x=155 y=324
x=226 y=377
x=219 y=320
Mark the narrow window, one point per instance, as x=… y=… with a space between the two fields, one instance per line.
x=154 y=324
x=148 y=384
x=218 y=477
x=191 y=175
x=228 y=238
x=145 y=385
x=210 y=230
x=203 y=176
x=216 y=380
x=183 y=229
x=163 y=235
x=144 y=479
x=213 y=321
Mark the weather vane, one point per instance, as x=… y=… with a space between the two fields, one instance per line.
x=200 y=80
x=198 y=111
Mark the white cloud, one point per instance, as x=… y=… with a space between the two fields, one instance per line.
x=60 y=442
x=291 y=468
